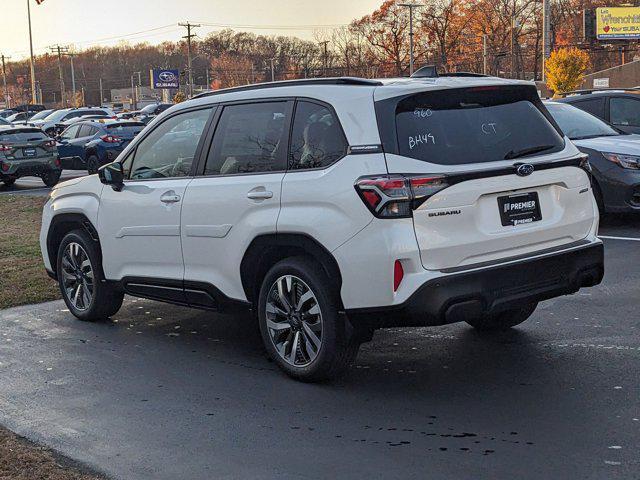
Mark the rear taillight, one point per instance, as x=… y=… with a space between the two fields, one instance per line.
x=4 y=166
x=58 y=162
x=396 y=196
x=398 y=275
x=110 y=139
x=5 y=148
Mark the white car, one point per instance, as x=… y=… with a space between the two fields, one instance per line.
x=333 y=207
x=52 y=124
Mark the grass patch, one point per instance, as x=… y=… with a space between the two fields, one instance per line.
x=23 y=460
x=23 y=279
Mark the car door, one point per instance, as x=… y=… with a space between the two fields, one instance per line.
x=66 y=147
x=140 y=225
x=87 y=133
x=624 y=113
x=234 y=198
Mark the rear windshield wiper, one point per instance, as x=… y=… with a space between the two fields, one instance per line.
x=527 y=151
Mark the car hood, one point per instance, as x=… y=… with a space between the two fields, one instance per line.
x=625 y=144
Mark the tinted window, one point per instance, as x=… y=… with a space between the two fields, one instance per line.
x=87 y=131
x=249 y=138
x=70 y=132
x=169 y=149
x=73 y=115
x=22 y=136
x=42 y=114
x=578 y=124
x=125 y=130
x=317 y=139
x=624 y=111
x=473 y=125
x=593 y=105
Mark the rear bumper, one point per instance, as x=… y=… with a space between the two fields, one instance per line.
x=25 y=168
x=467 y=295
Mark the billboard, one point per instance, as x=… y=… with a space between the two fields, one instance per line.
x=617 y=23
x=163 y=78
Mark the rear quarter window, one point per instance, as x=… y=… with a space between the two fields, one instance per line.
x=474 y=125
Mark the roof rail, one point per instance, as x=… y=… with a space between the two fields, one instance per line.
x=588 y=91
x=355 y=81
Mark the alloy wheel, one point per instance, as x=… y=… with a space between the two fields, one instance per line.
x=294 y=321
x=77 y=276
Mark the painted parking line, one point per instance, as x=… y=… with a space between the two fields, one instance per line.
x=629 y=239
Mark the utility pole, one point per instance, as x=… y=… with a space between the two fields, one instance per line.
x=485 y=53
x=325 y=58
x=410 y=6
x=7 y=102
x=189 y=36
x=60 y=50
x=101 y=93
x=513 y=42
x=31 y=64
x=73 y=81
x=273 y=72
x=134 y=102
x=546 y=36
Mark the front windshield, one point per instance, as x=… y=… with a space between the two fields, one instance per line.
x=41 y=115
x=578 y=124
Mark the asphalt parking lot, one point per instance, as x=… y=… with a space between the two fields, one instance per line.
x=34 y=185
x=163 y=392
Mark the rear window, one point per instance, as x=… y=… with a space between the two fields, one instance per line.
x=22 y=136
x=474 y=125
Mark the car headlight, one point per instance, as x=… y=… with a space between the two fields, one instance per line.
x=625 y=161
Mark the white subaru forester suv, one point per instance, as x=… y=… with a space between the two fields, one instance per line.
x=334 y=207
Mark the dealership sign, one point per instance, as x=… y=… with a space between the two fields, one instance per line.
x=617 y=23
x=165 y=78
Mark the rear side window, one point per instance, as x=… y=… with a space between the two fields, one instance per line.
x=22 y=136
x=317 y=139
x=249 y=138
x=624 y=111
x=87 y=131
x=70 y=132
x=594 y=106
x=474 y=125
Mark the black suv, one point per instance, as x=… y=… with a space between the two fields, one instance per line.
x=620 y=108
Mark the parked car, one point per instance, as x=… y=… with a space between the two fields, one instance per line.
x=28 y=151
x=20 y=118
x=620 y=108
x=332 y=207
x=613 y=154
x=51 y=122
x=4 y=123
x=90 y=144
x=128 y=115
x=149 y=112
x=62 y=126
x=7 y=112
x=28 y=107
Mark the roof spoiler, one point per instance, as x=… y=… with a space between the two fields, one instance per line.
x=431 y=71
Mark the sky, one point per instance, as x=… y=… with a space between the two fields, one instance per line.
x=84 y=23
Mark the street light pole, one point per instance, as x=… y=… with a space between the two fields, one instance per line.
x=546 y=36
x=410 y=6
x=485 y=53
x=34 y=98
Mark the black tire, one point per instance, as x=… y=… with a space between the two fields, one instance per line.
x=93 y=164
x=51 y=178
x=8 y=182
x=105 y=299
x=338 y=346
x=503 y=320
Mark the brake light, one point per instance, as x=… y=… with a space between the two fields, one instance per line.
x=110 y=139
x=5 y=148
x=398 y=275
x=58 y=162
x=5 y=167
x=396 y=196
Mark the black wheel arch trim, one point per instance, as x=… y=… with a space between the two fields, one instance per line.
x=266 y=250
x=61 y=225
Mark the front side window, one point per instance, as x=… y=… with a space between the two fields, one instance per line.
x=70 y=132
x=624 y=111
x=594 y=106
x=169 y=150
x=317 y=139
x=249 y=138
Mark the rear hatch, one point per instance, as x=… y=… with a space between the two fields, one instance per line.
x=488 y=171
x=26 y=144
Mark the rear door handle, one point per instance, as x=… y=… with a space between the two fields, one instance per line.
x=170 y=197
x=259 y=194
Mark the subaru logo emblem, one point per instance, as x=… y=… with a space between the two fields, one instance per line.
x=166 y=76
x=524 y=169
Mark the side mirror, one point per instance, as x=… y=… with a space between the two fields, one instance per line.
x=112 y=174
